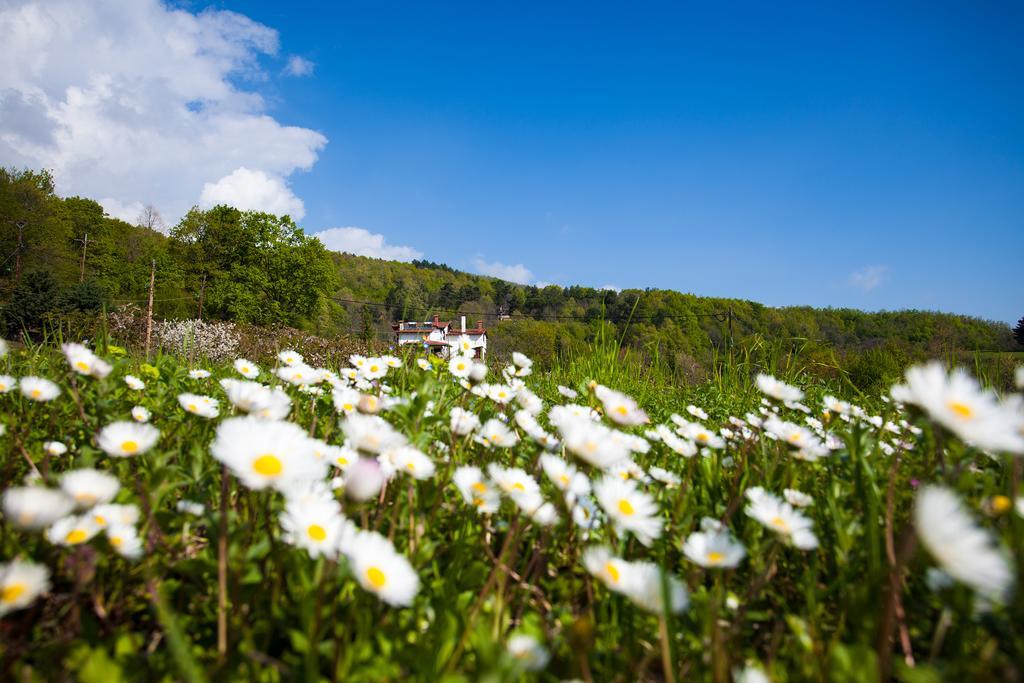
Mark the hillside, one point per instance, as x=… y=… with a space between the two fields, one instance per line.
x=263 y=269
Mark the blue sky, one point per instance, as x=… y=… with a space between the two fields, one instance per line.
x=832 y=154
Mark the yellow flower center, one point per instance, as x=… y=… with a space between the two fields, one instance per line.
x=622 y=410
x=518 y=487
x=36 y=393
x=316 y=532
x=460 y=366
x=564 y=479
x=348 y=407
x=193 y=407
x=780 y=524
x=714 y=557
x=625 y=507
x=612 y=572
x=342 y=460
x=101 y=520
x=376 y=577
x=1001 y=504
x=117 y=541
x=129 y=446
x=480 y=487
x=12 y=592
x=703 y=437
x=85 y=498
x=82 y=365
x=794 y=437
x=245 y=369
x=373 y=368
x=268 y=465
x=410 y=466
x=76 y=536
x=962 y=410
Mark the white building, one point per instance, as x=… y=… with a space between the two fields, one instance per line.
x=439 y=337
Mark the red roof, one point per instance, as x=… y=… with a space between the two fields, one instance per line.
x=434 y=342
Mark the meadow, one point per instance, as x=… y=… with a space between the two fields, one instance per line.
x=396 y=517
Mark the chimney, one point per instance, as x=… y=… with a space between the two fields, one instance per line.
x=479 y=324
x=437 y=319
x=463 y=324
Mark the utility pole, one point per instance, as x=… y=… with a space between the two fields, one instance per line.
x=17 y=254
x=149 y=311
x=202 y=293
x=85 y=246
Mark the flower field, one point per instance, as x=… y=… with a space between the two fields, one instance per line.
x=392 y=518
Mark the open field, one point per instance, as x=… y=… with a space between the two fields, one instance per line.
x=392 y=518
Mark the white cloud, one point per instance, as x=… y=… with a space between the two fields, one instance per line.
x=517 y=273
x=140 y=103
x=365 y=243
x=868 y=277
x=299 y=66
x=611 y=288
x=253 y=190
x=129 y=213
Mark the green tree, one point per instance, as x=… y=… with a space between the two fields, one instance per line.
x=1018 y=332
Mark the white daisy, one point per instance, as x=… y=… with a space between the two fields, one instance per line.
x=203 y=406
x=55 y=448
x=620 y=408
x=714 y=549
x=371 y=433
x=35 y=507
x=140 y=414
x=460 y=366
x=964 y=550
x=246 y=368
x=88 y=487
x=781 y=517
x=38 y=389
x=7 y=383
x=379 y=569
x=73 y=530
x=125 y=541
x=463 y=422
x=528 y=652
x=629 y=508
x=122 y=439
x=495 y=433
x=315 y=525
x=264 y=453
x=134 y=383
x=476 y=490
x=777 y=389
x=21 y=582
x=198 y=374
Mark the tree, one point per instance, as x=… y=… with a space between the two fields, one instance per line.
x=366 y=331
x=1018 y=332
x=151 y=219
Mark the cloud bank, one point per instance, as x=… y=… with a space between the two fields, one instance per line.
x=139 y=103
x=365 y=243
x=517 y=273
x=868 y=277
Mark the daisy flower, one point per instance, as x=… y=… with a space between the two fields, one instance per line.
x=958 y=403
x=85 y=362
x=629 y=508
x=35 y=507
x=500 y=393
x=246 y=368
x=476 y=490
x=363 y=479
x=190 y=507
x=413 y=462
x=669 y=479
x=781 y=517
x=289 y=357
x=314 y=525
x=299 y=374
x=614 y=572
x=88 y=487
x=696 y=412
x=7 y=383
x=382 y=571
x=198 y=374
x=528 y=652
x=125 y=541
x=371 y=433
x=122 y=439
x=592 y=442
x=21 y=582
x=73 y=530
x=463 y=422
x=964 y=550
x=55 y=448
x=140 y=414
x=646 y=589
x=423 y=363
x=620 y=408
x=134 y=383
x=374 y=368
x=495 y=433
x=514 y=481
x=460 y=366
x=38 y=389
x=203 y=406
x=564 y=476
x=714 y=549
x=110 y=514
x=797 y=498
x=570 y=394
x=392 y=361
x=777 y=389
x=345 y=400
x=264 y=453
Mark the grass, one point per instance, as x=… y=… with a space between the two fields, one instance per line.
x=857 y=608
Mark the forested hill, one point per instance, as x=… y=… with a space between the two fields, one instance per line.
x=68 y=256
